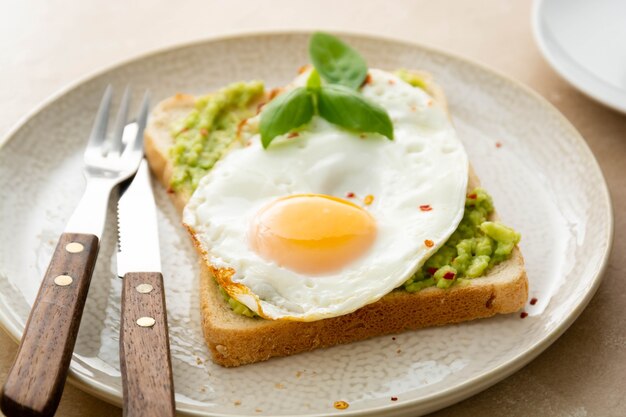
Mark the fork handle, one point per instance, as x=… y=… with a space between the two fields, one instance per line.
x=145 y=348
x=35 y=382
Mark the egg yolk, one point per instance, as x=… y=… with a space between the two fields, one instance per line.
x=312 y=233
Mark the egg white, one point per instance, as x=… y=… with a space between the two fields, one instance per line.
x=424 y=164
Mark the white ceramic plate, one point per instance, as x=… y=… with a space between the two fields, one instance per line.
x=585 y=42
x=545 y=182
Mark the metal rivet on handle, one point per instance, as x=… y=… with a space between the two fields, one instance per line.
x=74 y=247
x=146 y=321
x=144 y=288
x=63 y=280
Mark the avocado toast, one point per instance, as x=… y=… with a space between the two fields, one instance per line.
x=234 y=334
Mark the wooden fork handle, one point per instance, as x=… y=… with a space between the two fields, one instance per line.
x=35 y=382
x=144 y=347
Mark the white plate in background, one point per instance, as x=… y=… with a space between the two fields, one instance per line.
x=585 y=42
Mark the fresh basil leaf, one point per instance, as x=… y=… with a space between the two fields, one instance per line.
x=347 y=108
x=286 y=112
x=314 y=82
x=336 y=62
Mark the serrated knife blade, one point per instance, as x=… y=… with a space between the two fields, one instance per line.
x=138 y=237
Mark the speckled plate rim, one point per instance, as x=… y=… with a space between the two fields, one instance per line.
x=429 y=403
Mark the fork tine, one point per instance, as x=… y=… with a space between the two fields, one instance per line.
x=143 y=113
x=99 y=129
x=120 y=122
x=136 y=143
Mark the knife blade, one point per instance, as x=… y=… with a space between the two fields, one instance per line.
x=145 y=363
x=138 y=236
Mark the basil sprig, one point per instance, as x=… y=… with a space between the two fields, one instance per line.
x=286 y=112
x=346 y=108
x=338 y=101
x=336 y=62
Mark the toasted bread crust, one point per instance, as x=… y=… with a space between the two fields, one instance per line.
x=236 y=340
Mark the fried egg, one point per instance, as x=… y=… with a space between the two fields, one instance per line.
x=326 y=221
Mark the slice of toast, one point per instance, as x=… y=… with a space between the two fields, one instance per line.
x=236 y=340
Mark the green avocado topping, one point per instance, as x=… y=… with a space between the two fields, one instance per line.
x=206 y=134
x=411 y=78
x=475 y=246
x=235 y=305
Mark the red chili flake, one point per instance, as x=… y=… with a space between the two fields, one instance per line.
x=170 y=190
x=523 y=315
x=350 y=195
x=472 y=196
x=432 y=270
x=426 y=207
x=259 y=108
x=498 y=145
x=204 y=132
x=367 y=80
x=449 y=275
x=293 y=135
x=394 y=398
x=184 y=129
x=533 y=301
x=303 y=68
x=391 y=82
x=429 y=243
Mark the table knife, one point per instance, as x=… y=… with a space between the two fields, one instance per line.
x=144 y=342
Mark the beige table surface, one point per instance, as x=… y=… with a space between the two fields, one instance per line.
x=46 y=44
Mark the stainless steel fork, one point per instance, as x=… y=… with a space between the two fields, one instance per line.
x=35 y=382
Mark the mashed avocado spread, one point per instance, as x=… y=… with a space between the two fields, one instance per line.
x=207 y=133
x=475 y=246
x=411 y=78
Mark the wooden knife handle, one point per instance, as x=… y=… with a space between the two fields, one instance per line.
x=35 y=382
x=145 y=347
